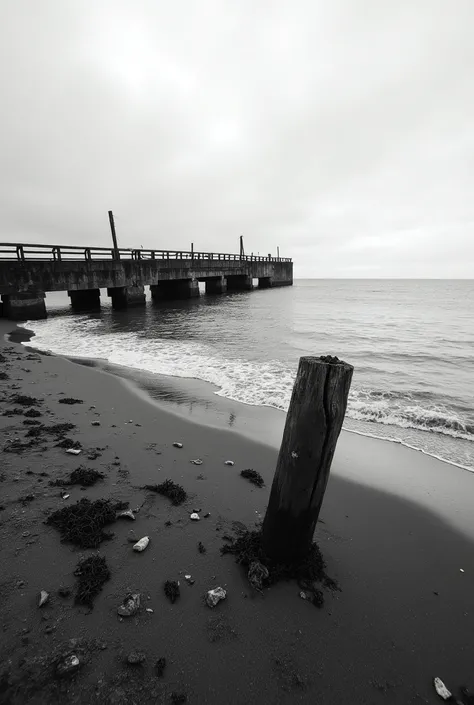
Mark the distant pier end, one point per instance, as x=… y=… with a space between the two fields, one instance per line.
x=27 y=272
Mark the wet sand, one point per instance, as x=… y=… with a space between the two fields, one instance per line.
x=396 y=529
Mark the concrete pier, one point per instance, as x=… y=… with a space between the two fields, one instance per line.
x=239 y=282
x=265 y=283
x=217 y=285
x=85 y=299
x=175 y=289
x=125 y=296
x=24 y=306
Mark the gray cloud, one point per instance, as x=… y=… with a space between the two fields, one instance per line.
x=342 y=132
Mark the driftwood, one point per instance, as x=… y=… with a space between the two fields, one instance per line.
x=313 y=424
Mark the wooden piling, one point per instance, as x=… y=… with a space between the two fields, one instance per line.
x=317 y=408
x=114 y=236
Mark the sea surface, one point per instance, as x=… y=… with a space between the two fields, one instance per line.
x=411 y=343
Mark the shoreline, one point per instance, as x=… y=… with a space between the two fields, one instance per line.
x=396 y=531
x=199 y=391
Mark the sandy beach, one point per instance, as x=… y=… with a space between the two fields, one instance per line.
x=396 y=531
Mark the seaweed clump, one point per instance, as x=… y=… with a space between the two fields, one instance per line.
x=248 y=551
x=92 y=573
x=172 y=592
x=81 y=476
x=32 y=413
x=68 y=443
x=253 y=476
x=25 y=400
x=83 y=523
x=3 y=376
x=170 y=489
x=70 y=400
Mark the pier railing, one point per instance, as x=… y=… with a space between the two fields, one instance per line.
x=56 y=253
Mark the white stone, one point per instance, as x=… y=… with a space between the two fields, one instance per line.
x=214 y=596
x=142 y=544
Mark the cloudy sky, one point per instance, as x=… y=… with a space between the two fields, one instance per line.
x=340 y=130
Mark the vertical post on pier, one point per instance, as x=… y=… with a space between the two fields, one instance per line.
x=278 y=252
x=192 y=250
x=317 y=408
x=242 y=253
x=114 y=236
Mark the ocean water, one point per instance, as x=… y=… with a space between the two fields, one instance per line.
x=411 y=343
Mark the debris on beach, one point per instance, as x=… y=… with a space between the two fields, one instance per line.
x=257 y=574
x=17 y=446
x=136 y=658
x=83 y=523
x=171 y=588
x=141 y=544
x=441 y=689
x=25 y=400
x=74 y=451
x=92 y=573
x=160 y=666
x=130 y=605
x=94 y=454
x=247 y=549
x=43 y=598
x=207 y=515
x=169 y=489
x=68 y=665
x=213 y=597
x=229 y=462
x=194 y=516
x=253 y=476
x=31 y=422
x=198 y=461
x=70 y=400
x=81 y=476
x=201 y=547
x=126 y=514
x=32 y=413
x=189 y=579
x=65 y=496
x=95 y=423
x=177 y=445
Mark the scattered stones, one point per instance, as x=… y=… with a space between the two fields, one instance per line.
x=171 y=588
x=127 y=514
x=169 y=489
x=194 y=517
x=229 y=462
x=141 y=544
x=136 y=658
x=92 y=573
x=160 y=666
x=68 y=665
x=253 y=476
x=43 y=598
x=213 y=597
x=177 y=445
x=201 y=547
x=130 y=605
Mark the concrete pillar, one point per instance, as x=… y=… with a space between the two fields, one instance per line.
x=169 y=289
x=24 y=306
x=85 y=299
x=265 y=282
x=218 y=285
x=125 y=296
x=239 y=282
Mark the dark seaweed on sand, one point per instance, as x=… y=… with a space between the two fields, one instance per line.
x=68 y=443
x=160 y=666
x=70 y=400
x=81 y=476
x=57 y=429
x=171 y=588
x=169 y=489
x=253 y=476
x=92 y=573
x=247 y=548
x=82 y=523
x=32 y=413
x=24 y=400
x=3 y=375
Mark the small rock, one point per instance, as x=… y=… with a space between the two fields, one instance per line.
x=20 y=583
x=127 y=514
x=148 y=609
x=160 y=666
x=129 y=606
x=214 y=596
x=74 y=451
x=136 y=658
x=198 y=511
x=198 y=461
x=141 y=544
x=65 y=496
x=194 y=517
x=189 y=579
x=25 y=534
x=95 y=423
x=229 y=462
x=68 y=665
x=177 y=445
x=43 y=598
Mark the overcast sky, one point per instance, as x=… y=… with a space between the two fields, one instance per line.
x=340 y=130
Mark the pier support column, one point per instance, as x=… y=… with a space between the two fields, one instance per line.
x=169 y=289
x=265 y=282
x=216 y=286
x=239 y=282
x=24 y=306
x=85 y=299
x=125 y=296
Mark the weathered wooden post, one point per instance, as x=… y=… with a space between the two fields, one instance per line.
x=114 y=236
x=313 y=424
